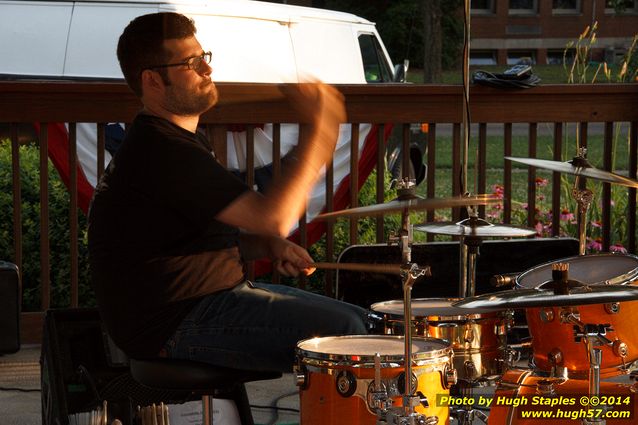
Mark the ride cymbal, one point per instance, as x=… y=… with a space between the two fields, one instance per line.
x=579 y=167
x=476 y=227
x=416 y=204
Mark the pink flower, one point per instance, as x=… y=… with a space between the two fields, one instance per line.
x=498 y=190
x=596 y=224
x=566 y=215
x=540 y=182
x=595 y=245
x=618 y=248
x=539 y=227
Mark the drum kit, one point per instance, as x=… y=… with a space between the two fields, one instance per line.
x=579 y=312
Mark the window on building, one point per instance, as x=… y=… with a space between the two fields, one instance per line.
x=516 y=57
x=566 y=7
x=482 y=57
x=621 y=6
x=375 y=67
x=557 y=57
x=482 y=7
x=523 y=7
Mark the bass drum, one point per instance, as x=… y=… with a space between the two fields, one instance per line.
x=553 y=341
x=336 y=377
x=536 y=394
x=478 y=337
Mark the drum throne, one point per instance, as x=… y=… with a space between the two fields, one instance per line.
x=201 y=379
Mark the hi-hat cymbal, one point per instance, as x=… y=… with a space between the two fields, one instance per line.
x=526 y=298
x=476 y=227
x=415 y=204
x=578 y=167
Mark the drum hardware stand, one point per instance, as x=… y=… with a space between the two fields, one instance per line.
x=593 y=336
x=469 y=251
x=410 y=272
x=583 y=198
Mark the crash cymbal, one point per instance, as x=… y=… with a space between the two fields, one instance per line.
x=578 y=166
x=526 y=298
x=474 y=227
x=416 y=204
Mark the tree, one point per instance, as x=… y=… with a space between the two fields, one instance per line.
x=432 y=40
x=402 y=25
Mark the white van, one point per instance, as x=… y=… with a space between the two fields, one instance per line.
x=251 y=41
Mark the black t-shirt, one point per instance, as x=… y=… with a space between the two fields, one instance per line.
x=155 y=248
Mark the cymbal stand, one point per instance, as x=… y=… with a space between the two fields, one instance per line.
x=469 y=251
x=410 y=272
x=583 y=198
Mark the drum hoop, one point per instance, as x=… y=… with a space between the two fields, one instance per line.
x=348 y=360
x=326 y=365
x=630 y=276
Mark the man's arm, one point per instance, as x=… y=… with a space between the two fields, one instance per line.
x=275 y=212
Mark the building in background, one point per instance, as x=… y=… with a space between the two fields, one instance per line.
x=537 y=31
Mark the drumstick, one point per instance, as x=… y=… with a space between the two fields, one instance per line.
x=360 y=267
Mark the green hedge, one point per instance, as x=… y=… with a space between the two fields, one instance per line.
x=59 y=235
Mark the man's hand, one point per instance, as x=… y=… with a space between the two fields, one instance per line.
x=289 y=259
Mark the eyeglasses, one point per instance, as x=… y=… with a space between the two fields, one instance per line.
x=196 y=63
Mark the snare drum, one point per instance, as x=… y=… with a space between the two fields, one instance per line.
x=336 y=376
x=522 y=392
x=478 y=337
x=553 y=341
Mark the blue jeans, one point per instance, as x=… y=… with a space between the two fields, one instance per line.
x=256 y=326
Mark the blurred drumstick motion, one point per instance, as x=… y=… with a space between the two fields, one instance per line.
x=364 y=267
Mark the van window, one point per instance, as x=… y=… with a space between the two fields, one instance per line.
x=375 y=67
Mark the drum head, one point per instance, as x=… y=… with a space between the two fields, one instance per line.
x=424 y=307
x=587 y=269
x=363 y=348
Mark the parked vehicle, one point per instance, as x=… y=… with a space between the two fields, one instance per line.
x=251 y=41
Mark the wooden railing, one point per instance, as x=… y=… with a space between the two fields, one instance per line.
x=401 y=105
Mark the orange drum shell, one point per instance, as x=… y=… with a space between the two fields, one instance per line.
x=525 y=383
x=321 y=404
x=548 y=336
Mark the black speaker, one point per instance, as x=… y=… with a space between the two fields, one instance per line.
x=495 y=257
x=79 y=370
x=10 y=301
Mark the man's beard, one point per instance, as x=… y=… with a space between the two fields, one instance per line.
x=180 y=102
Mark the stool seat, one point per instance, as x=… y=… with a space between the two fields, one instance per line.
x=177 y=374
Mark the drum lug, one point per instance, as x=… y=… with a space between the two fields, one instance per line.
x=546 y=314
x=555 y=357
x=470 y=369
x=450 y=377
x=612 y=308
x=545 y=387
x=620 y=348
x=346 y=383
x=301 y=377
x=468 y=335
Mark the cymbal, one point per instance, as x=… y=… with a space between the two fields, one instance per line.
x=415 y=204
x=474 y=227
x=526 y=298
x=579 y=167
